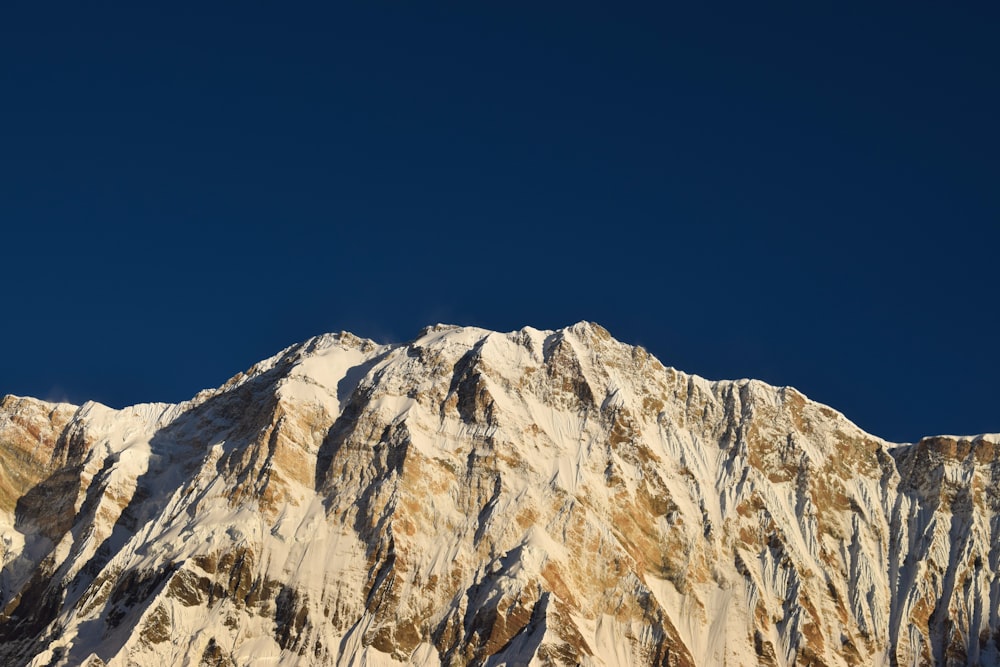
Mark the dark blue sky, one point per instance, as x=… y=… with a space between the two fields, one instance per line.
x=806 y=195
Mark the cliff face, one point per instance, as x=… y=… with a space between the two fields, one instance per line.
x=477 y=498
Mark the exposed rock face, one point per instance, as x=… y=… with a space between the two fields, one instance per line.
x=475 y=498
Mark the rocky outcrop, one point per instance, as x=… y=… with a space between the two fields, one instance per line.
x=476 y=498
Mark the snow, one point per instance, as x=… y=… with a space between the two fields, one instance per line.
x=678 y=519
x=327 y=376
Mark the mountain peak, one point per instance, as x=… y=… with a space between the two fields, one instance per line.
x=474 y=497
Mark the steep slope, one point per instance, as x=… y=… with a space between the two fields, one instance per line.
x=476 y=498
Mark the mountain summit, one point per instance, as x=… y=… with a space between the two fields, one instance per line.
x=482 y=498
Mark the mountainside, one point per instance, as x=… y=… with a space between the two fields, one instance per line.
x=478 y=498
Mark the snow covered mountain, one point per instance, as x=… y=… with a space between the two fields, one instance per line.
x=479 y=498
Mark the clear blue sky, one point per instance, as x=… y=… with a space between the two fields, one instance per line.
x=803 y=193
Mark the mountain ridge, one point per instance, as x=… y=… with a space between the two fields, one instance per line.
x=344 y=502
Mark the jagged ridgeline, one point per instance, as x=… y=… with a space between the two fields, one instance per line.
x=481 y=498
